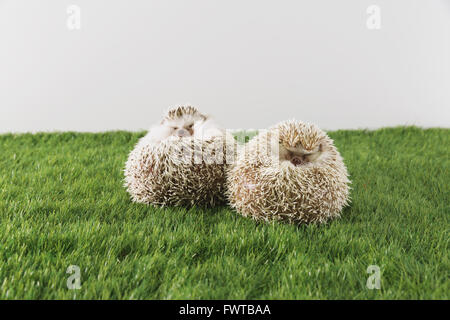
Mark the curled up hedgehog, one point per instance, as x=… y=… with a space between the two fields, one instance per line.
x=180 y=162
x=291 y=172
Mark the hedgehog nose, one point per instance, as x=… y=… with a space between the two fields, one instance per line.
x=182 y=133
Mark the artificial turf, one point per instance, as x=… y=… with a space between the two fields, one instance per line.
x=62 y=203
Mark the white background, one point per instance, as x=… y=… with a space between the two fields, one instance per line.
x=249 y=63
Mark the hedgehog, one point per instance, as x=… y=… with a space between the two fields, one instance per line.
x=291 y=172
x=180 y=162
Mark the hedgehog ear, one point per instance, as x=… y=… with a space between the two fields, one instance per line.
x=320 y=147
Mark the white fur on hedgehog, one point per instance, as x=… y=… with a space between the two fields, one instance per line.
x=177 y=172
x=261 y=187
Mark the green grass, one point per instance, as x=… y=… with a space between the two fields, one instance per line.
x=62 y=203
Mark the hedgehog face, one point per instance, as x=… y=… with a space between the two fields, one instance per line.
x=299 y=155
x=183 y=126
x=301 y=143
x=181 y=121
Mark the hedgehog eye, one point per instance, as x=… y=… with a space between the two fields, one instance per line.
x=190 y=126
x=174 y=128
